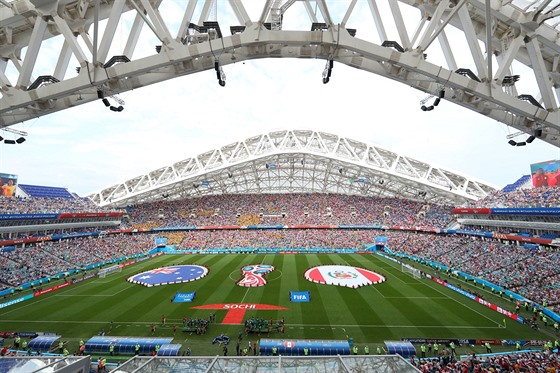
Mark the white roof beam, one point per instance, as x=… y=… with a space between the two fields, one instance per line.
x=507 y=58
x=187 y=19
x=399 y=22
x=70 y=40
x=377 y=20
x=240 y=12
x=541 y=73
x=110 y=29
x=32 y=52
x=472 y=41
x=134 y=36
x=348 y=13
x=431 y=32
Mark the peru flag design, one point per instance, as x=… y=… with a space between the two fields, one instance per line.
x=343 y=276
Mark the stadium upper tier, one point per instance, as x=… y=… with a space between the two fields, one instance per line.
x=289 y=209
x=529 y=197
x=48 y=205
x=298 y=161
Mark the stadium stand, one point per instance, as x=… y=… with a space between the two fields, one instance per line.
x=488 y=259
x=42 y=205
x=523 y=180
x=531 y=272
x=271 y=209
x=38 y=191
x=522 y=362
x=528 y=197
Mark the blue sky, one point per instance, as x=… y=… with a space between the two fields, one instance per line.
x=88 y=147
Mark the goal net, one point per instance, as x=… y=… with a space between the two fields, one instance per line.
x=105 y=271
x=416 y=273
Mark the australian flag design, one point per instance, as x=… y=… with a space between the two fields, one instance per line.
x=169 y=275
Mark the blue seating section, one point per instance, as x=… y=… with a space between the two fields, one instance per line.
x=522 y=180
x=403 y=348
x=126 y=345
x=7 y=364
x=550 y=236
x=292 y=347
x=169 y=350
x=45 y=191
x=42 y=343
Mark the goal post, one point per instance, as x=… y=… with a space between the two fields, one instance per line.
x=416 y=273
x=105 y=271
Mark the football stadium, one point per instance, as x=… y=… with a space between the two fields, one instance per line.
x=291 y=250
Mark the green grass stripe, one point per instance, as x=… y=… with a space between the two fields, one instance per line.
x=400 y=307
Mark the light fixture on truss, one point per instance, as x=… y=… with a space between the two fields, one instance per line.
x=118 y=100
x=440 y=96
x=19 y=140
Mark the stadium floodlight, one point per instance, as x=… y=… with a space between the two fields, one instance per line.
x=220 y=74
x=12 y=142
x=393 y=44
x=13 y=130
x=521 y=143
x=117 y=59
x=512 y=142
x=319 y=26
x=530 y=139
x=327 y=71
x=538 y=132
x=20 y=140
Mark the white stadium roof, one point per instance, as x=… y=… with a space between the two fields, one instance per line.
x=297 y=161
x=497 y=58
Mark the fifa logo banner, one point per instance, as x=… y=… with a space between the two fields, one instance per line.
x=253 y=275
x=299 y=296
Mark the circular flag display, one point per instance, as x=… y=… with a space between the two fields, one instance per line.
x=169 y=275
x=348 y=276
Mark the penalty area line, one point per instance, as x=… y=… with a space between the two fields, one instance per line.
x=431 y=284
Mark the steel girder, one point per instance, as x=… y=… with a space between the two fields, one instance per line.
x=300 y=161
x=84 y=35
x=317 y=364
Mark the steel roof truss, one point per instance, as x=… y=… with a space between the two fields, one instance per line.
x=69 y=41
x=381 y=33
x=32 y=52
x=541 y=73
x=399 y=22
x=472 y=41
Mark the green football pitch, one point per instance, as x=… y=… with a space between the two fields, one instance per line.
x=401 y=307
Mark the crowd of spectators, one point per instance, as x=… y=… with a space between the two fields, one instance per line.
x=44 y=259
x=521 y=197
x=290 y=209
x=532 y=273
x=35 y=205
x=530 y=362
x=282 y=238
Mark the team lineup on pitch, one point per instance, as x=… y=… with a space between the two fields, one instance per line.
x=252 y=276
x=331 y=296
